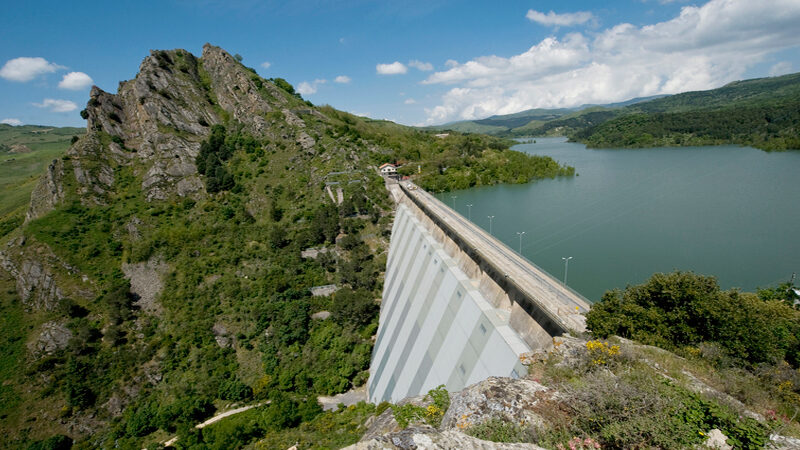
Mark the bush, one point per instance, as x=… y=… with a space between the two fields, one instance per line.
x=234 y=390
x=683 y=309
x=355 y=308
x=500 y=430
x=431 y=414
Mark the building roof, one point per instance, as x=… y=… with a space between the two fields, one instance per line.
x=387 y=165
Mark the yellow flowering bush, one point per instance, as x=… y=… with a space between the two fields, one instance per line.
x=601 y=353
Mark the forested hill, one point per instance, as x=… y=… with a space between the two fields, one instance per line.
x=165 y=264
x=763 y=112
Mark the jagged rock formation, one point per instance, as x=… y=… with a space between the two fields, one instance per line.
x=154 y=124
x=40 y=275
x=496 y=397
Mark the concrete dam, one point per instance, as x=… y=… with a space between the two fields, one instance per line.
x=458 y=305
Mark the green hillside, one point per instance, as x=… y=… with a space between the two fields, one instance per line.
x=161 y=277
x=25 y=151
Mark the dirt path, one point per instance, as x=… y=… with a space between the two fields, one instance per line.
x=216 y=419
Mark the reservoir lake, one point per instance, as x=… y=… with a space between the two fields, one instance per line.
x=728 y=211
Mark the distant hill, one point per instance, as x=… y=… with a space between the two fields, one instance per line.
x=25 y=151
x=761 y=112
x=523 y=122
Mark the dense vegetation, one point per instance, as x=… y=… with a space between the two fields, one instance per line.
x=683 y=309
x=455 y=161
x=751 y=340
x=765 y=127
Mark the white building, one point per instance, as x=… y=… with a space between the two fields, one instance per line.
x=388 y=169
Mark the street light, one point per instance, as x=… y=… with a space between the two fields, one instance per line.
x=520 y=233
x=490 y=223
x=469 y=213
x=454 y=201
x=566 y=267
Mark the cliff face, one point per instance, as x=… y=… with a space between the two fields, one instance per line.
x=154 y=125
x=156 y=122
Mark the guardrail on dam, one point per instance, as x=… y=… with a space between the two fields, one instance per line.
x=458 y=305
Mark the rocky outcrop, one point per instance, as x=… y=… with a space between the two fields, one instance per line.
x=501 y=398
x=48 y=192
x=146 y=283
x=425 y=437
x=496 y=397
x=53 y=337
x=40 y=275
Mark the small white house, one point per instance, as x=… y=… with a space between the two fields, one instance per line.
x=388 y=169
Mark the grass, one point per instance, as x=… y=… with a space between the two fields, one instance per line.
x=19 y=172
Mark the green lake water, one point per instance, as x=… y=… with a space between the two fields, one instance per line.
x=727 y=211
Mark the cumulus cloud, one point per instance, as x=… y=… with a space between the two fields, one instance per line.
x=343 y=79
x=25 y=68
x=701 y=48
x=75 y=81
x=12 y=122
x=395 y=68
x=423 y=66
x=552 y=19
x=57 y=105
x=266 y=64
x=410 y=101
x=306 y=88
x=781 y=68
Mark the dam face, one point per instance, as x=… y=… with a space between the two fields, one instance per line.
x=436 y=325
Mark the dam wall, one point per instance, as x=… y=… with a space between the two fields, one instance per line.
x=458 y=305
x=436 y=326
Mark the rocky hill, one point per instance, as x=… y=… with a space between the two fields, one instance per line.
x=164 y=268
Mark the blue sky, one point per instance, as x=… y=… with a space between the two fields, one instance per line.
x=413 y=61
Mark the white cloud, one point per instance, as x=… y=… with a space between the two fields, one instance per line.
x=395 y=68
x=25 y=68
x=12 y=122
x=57 y=105
x=410 y=101
x=781 y=68
x=266 y=64
x=701 y=48
x=343 y=79
x=451 y=63
x=306 y=88
x=423 y=66
x=75 y=81
x=559 y=20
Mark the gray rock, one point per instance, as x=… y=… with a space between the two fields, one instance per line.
x=505 y=398
x=321 y=315
x=717 y=440
x=48 y=192
x=778 y=442
x=425 y=437
x=53 y=337
x=145 y=278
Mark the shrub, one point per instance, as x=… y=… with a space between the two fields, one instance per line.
x=431 y=414
x=497 y=429
x=683 y=309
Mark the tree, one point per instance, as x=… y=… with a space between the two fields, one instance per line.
x=356 y=308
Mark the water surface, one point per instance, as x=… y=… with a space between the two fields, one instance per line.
x=728 y=211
